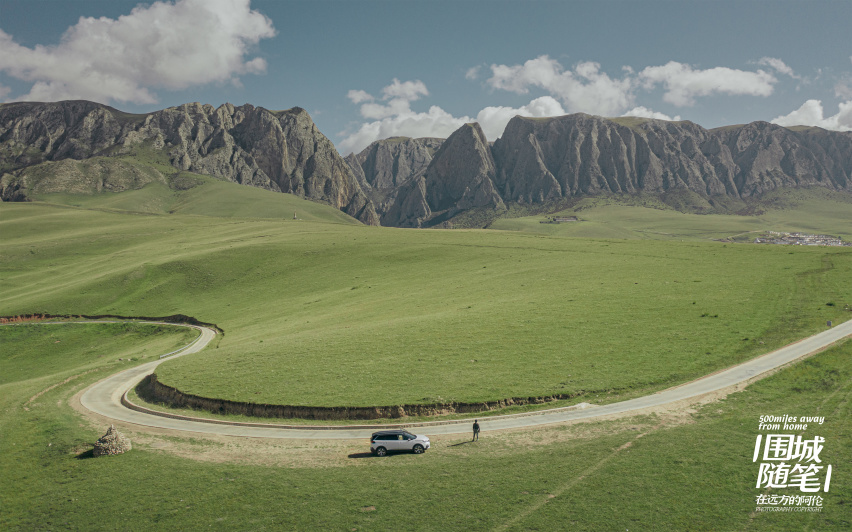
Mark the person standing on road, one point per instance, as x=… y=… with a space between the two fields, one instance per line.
x=475 y=430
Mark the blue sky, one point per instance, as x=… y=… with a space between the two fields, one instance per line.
x=371 y=69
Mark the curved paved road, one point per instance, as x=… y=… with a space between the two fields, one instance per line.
x=105 y=398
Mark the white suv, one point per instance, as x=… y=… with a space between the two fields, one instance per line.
x=385 y=441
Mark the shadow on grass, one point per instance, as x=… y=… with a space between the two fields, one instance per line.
x=361 y=455
x=461 y=443
x=86 y=454
x=371 y=455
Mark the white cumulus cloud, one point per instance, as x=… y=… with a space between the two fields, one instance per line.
x=378 y=111
x=493 y=120
x=395 y=118
x=434 y=123
x=359 y=96
x=581 y=88
x=644 y=112
x=407 y=90
x=398 y=95
x=779 y=66
x=811 y=114
x=683 y=83
x=585 y=88
x=159 y=46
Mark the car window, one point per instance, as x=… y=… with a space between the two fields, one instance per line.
x=400 y=436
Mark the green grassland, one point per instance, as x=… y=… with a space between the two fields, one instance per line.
x=642 y=473
x=323 y=310
x=648 y=217
x=458 y=319
x=208 y=197
x=36 y=351
x=326 y=313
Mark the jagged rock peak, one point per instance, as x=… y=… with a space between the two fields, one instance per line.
x=461 y=174
x=391 y=162
x=458 y=177
x=390 y=171
x=277 y=150
x=423 y=181
x=542 y=159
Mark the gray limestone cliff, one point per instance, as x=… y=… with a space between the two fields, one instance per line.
x=390 y=168
x=541 y=159
x=388 y=163
x=459 y=177
x=421 y=182
x=767 y=157
x=276 y=150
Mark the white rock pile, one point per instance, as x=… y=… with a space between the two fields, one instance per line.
x=113 y=442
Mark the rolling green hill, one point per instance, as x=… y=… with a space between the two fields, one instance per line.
x=612 y=474
x=145 y=183
x=335 y=314
x=647 y=217
x=207 y=197
x=327 y=311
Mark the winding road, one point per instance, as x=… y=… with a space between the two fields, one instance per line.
x=108 y=398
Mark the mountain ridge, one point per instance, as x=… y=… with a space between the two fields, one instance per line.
x=282 y=151
x=423 y=182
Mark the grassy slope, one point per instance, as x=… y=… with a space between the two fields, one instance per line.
x=212 y=197
x=697 y=476
x=334 y=314
x=33 y=351
x=159 y=188
x=812 y=211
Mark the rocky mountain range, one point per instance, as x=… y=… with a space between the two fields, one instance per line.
x=281 y=151
x=423 y=182
x=542 y=160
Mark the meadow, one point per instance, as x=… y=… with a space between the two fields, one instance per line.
x=645 y=217
x=324 y=312
x=681 y=471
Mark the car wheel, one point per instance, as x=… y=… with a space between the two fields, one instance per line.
x=381 y=451
x=418 y=449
